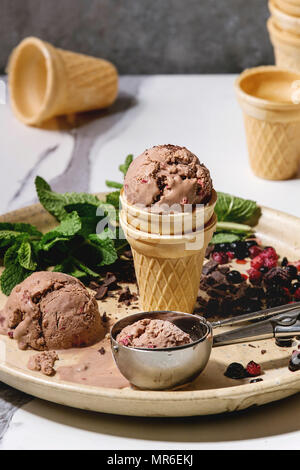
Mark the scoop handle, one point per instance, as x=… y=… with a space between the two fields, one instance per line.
x=283 y=326
x=260 y=315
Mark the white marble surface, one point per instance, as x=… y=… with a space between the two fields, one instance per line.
x=201 y=113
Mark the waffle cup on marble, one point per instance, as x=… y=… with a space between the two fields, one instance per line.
x=168 y=267
x=272 y=128
x=286 y=46
x=45 y=81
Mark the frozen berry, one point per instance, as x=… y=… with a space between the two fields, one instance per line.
x=236 y=370
x=250 y=243
x=253 y=369
x=230 y=255
x=269 y=252
x=220 y=257
x=234 y=277
x=294 y=363
x=291 y=270
x=284 y=342
x=277 y=277
x=254 y=381
x=254 y=251
x=270 y=263
x=284 y=261
x=297 y=294
x=257 y=262
x=264 y=269
x=295 y=287
x=254 y=275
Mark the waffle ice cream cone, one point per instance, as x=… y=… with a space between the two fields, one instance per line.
x=272 y=121
x=45 y=82
x=168 y=267
x=286 y=46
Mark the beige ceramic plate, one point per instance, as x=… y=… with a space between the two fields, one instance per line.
x=210 y=393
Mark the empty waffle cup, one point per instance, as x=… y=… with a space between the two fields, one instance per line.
x=285 y=21
x=272 y=120
x=45 y=81
x=291 y=7
x=168 y=267
x=286 y=46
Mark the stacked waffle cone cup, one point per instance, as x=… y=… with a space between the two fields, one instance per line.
x=284 y=31
x=168 y=266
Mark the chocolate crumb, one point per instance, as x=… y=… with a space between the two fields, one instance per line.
x=251 y=346
x=104 y=317
x=102 y=351
x=94 y=285
x=263 y=351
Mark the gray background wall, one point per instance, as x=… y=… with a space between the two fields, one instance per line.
x=146 y=36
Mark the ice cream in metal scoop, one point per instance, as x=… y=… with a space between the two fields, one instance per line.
x=162 y=368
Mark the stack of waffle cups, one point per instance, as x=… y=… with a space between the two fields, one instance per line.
x=284 y=30
x=272 y=126
x=168 y=252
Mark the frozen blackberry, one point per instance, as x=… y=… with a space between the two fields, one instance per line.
x=235 y=370
x=284 y=342
x=284 y=261
x=253 y=381
x=234 y=277
x=291 y=271
x=294 y=287
x=277 y=277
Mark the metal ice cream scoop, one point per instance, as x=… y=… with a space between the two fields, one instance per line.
x=162 y=369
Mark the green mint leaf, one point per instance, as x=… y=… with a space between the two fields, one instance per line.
x=21 y=228
x=113 y=199
x=55 y=203
x=113 y=184
x=234 y=209
x=124 y=167
x=106 y=247
x=68 y=227
x=13 y=273
x=224 y=237
x=26 y=257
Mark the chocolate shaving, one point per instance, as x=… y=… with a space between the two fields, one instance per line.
x=101 y=292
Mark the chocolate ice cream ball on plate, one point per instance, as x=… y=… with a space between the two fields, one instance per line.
x=51 y=310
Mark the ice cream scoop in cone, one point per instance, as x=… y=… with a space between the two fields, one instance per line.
x=270 y=103
x=168 y=267
x=45 y=81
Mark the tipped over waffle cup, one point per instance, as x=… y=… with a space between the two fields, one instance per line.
x=272 y=127
x=286 y=46
x=168 y=266
x=45 y=81
x=291 y=7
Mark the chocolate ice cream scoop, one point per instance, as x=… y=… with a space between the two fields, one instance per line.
x=52 y=310
x=147 y=333
x=166 y=175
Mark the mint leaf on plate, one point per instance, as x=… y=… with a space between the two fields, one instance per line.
x=26 y=256
x=234 y=209
x=55 y=203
